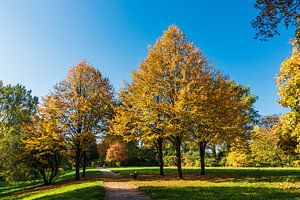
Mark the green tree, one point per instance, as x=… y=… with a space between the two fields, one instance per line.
x=16 y=107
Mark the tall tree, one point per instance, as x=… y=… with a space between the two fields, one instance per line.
x=157 y=86
x=288 y=81
x=83 y=102
x=16 y=107
x=272 y=13
x=216 y=110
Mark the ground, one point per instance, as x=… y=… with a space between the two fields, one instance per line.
x=90 y=187
x=218 y=183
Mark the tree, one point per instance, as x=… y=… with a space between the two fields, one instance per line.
x=16 y=107
x=116 y=153
x=272 y=13
x=153 y=95
x=43 y=145
x=288 y=82
x=265 y=148
x=82 y=103
x=217 y=110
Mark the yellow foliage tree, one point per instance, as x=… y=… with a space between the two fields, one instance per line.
x=82 y=103
x=288 y=81
x=44 y=145
x=176 y=94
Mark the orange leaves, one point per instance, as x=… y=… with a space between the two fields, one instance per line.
x=116 y=153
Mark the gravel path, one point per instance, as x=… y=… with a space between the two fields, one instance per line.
x=120 y=188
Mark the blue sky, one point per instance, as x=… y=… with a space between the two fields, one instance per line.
x=41 y=40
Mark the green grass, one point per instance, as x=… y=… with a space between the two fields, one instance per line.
x=218 y=183
x=90 y=187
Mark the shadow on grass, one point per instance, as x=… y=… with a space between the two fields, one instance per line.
x=8 y=189
x=218 y=193
x=217 y=174
x=95 y=192
x=39 y=187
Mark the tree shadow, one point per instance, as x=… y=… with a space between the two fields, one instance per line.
x=218 y=193
x=95 y=192
x=40 y=187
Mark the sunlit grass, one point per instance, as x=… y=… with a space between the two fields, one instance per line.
x=64 y=188
x=219 y=183
x=85 y=190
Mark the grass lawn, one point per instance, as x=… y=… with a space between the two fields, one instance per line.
x=218 y=183
x=90 y=187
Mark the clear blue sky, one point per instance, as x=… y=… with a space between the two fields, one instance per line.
x=41 y=40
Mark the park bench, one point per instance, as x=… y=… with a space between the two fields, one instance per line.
x=134 y=175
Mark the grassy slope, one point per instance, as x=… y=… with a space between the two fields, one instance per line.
x=219 y=183
x=64 y=188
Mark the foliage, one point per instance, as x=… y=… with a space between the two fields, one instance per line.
x=237 y=158
x=16 y=106
x=272 y=13
x=288 y=81
x=265 y=148
x=176 y=94
x=44 y=146
x=82 y=103
x=116 y=153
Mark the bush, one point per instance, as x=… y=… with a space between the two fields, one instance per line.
x=238 y=159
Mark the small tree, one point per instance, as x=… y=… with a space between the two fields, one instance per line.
x=44 y=145
x=116 y=153
x=265 y=148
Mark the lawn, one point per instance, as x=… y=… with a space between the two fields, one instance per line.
x=90 y=187
x=218 y=183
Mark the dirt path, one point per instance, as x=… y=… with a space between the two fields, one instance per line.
x=120 y=188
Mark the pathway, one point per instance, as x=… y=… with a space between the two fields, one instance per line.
x=120 y=188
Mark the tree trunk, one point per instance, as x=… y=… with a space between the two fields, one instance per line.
x=202 y=157
x=77 y=162
x=178 y=156
x=45 y=180
x=214 y=151
x=84 y=163
x=160 y=153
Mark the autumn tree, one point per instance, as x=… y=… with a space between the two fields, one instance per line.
x=43 y=144
x=265 y=148
x=82 y=103
x=216 y=109
x=136 y=120
x=272 y=13
x=288 y=82
x=153 y=97
x=116 y=153
x=16 y=107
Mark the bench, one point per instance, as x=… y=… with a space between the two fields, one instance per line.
x=134 y=175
